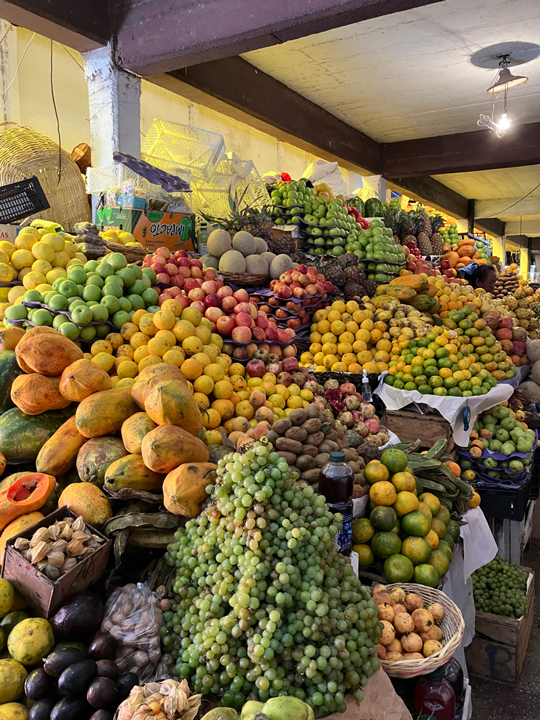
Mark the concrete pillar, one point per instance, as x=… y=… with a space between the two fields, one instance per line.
x=10 y=110
x=115 y=107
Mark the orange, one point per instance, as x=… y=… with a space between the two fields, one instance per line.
x=432 y=501
x=432 y=539
x=224 y=407
x=164 y=319
x=191 y=369
x=416 y=549
x=404 y=481
x=223 y=390
x=383 y=493
x=146 y=324
x=364 y=357
x=375 y=472
x=406 y=502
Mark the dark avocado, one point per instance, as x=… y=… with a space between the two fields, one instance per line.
x=41 y=710
x=59 y=660
x=103 y=694
x=38 y=685
x=102 y=715
x=76 y=678
x=125 y=682
x=70 y=708
x=72 y=644
x=80 y=616
x=108 y=669
x=11 y=619
x=102 y=648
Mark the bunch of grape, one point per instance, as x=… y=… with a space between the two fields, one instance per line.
x=500 y=588
x=264 y=604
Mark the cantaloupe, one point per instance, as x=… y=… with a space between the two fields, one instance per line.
x=280 y=264
x=210 y=261
x=232 y=262
x=262 y=247
x=219 y=241
x=268 y=256
x=257 y=265
x=245 y=243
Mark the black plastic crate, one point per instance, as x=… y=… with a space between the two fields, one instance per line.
x=535 y=477
x=21 y=199
x=505 y=504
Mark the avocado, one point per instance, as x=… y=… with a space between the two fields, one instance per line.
x=38 y=685
x=70 y=708
x=103 y=694
x=41 y=710
x=76 y=678
x=80 y=616
x=125 y=682
x=108 y=669
x=102 y=715
x=72 y=644
x=59 y=660
x=102 y=648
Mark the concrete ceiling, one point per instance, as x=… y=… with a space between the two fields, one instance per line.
x=409 y=75
x=494 y=184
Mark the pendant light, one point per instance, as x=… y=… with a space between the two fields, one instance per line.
x=505 y=80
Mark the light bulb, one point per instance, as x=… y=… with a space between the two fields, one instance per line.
x=505 y=122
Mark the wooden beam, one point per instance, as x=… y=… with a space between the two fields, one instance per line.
x=432 y=192
x=464 y=152
x=156 y=36
x=80 y=24
x=236 y=87
x=509 y=206
x=493 y=226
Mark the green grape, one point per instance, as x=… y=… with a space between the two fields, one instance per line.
x=264 y=605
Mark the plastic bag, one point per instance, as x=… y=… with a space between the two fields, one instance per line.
x=133 y=619
x=328 y=172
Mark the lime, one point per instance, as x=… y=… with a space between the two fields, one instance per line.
x=100 y=313
x=127 y=275
x=125 y=304
x=117 y=261
x=82 y=315
x=42 y=317
x=120 y=318
x=76 y=274
x=111 y=302
x=88 y=333
x=70 y=330
x=149 y=274
x=139 y=286
x=91 y=292
x=150 y=297
x=137 y=303
x=67 y=288
x=104 y=270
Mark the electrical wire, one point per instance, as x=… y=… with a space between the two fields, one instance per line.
x=500 y=212
x=73 y=58
x=57 y=121
x=17 y=69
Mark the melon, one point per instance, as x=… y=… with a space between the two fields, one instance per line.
x=268 y=256
x=245 y=243
x=280 y=264
x=232 y=262
x=210 y=261
x=218 y=243
x=262 y=247
x=257 y=265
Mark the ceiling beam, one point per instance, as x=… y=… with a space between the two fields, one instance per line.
x=493 y=226
x=237 y=88
x=509 y=206
x=80 y=24
x=432 y=192
x=156 y=36
x=463 y=152
x=529 y=228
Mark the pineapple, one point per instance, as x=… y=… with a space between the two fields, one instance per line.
x=255 y=220
x=426 y=222
x=393 y=218
x=424 y=232
x=409 y=225
x=436 y=238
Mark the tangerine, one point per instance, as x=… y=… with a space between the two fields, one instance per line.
x=383 y=493
x=375 y=471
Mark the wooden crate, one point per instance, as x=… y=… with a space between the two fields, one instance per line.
x=498 y=649
x=45 y=595
x=410 y=426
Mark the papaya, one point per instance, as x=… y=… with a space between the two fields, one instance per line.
x=152 y=374
x=417 y=282
x=23 y=522
x=168 y=446
x=87 y=501
x=10 y=337
x=452 y=257
x=431 y=290
x=31 y=640
x=131 y=472
x=22 y=436
x=59 y=454
x=35 y=394
x=184 y=489
x=47 y=352
x=425 y=303
x=10 y=479
x=402 y=293
x=3 y=463
x=82 y=379
x=170 y=402
x=134 y=429
x=466 y=251
x=9 y=370
x=12 y=677
x=381 y=300
x=27 y=494
x=95 y=456
x=104 y=412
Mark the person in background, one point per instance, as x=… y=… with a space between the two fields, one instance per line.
x=480 y=276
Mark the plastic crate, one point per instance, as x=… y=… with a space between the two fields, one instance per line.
x=199 y=149
x=236 y=184
x=505 y=504
x=535 y=476
x=21 y=199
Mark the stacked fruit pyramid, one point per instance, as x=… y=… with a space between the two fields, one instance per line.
x=408 y=533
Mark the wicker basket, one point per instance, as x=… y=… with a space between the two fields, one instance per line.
x=25 y=152
x=245 y=279
x=453 y=627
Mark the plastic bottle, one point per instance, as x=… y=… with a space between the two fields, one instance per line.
x=434 y=696
x=453 y=672
x=336 y=482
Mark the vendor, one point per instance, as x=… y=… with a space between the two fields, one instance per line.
x=480 y=276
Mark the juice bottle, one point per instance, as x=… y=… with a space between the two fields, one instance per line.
x=453 y=672
x=336 y=482
x=434 y=696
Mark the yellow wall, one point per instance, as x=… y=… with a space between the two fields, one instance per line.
x=32 y=92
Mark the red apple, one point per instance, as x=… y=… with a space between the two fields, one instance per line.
x=224 y=292
x=296 y=275
x=328 y=286
x=183 y=262
x=289 y=351
x=197 y=294
x=196 y=263
x=171 y=269
x=241 y=295
x=265 y=309
x=209 y=287
x=196 y=271
x=241 y=334
x=243 y=319
x=300 y=293
x=162 y=298
x=225 y=325
x=183 y=300
x=259 y=334
x=210 y=273
x=228 y=304
x=199 y=305
x=212 y=300
x=303 y=269
x=164 y=252
x=262 y=320
x=184 y=272
x=163 y=278
x=174 y=291
x=273 y=284
x=284 y=292
x=178 y=280
x=213 y=313
x=191 y=283
x=274 y=301
x=158 y=267
x=281 y=314
x=271 y=332
x=219 y=282
x=242 y=307
x=311 y=289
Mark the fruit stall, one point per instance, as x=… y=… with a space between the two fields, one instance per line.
x=229 y=485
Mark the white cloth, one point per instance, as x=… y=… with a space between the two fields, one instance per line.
x=449 y=407
x=328 y=172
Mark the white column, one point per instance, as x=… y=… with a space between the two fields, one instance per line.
x=115 y=107
x=10 y=110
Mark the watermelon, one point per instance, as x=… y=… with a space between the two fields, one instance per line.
x=9 y=370
x=22 y=436
x=373 y=208
x=357 y=203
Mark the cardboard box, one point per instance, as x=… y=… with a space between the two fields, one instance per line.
x=410 y=427
x=498 y=649
x=153 y=229
x=8 y=233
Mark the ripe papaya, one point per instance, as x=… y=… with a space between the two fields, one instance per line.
x=59 y=454
x=27 y=494
x=417 y=282
x=425 y=303
x=403 y=293
x=131 y=472
x=170 y=402
x=184 y=489
x=10 y=337
x=88 y=501
x=168 y=446
x=81 y=379
x=104 y=412
x=47 y=353
x=17 y=526
x=134 y=430
x=152 y=374
x=35 y=394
